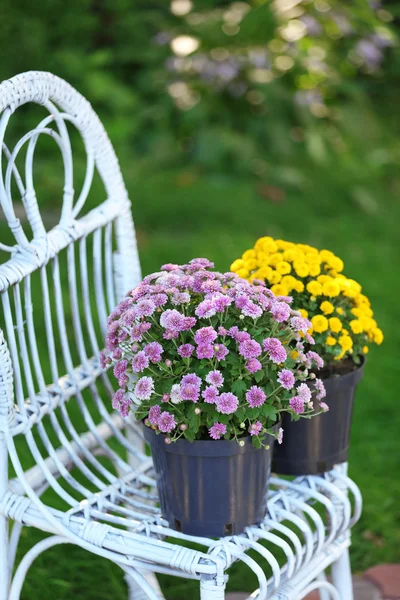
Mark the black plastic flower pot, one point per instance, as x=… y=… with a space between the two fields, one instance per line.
x=312 y=446
x=211 y=488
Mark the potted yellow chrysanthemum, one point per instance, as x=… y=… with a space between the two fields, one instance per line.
x=342 y=326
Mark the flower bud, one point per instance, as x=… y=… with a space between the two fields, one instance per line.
x=312 y=375
x=216 y=347
x=242 y=425
x=197 y=411
x=241 y=443
x=168 y=363
x=147 y=423
x=154 y=427
x=267 y=447
x=241 y=317
x=165 y=397
x=183 y=427
x=167 y=440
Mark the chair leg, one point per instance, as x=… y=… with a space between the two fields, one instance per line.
x=341 y=576
x=4 y=571
x=210 y=590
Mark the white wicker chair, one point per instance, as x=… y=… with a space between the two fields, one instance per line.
x=102 y=476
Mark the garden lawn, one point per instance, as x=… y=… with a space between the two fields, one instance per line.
x=180 y=215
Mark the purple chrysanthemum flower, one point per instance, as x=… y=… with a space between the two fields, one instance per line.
x=304 y=392
x=217 y=431
x=154 y=414
x=175 y=395
x=180 y=298
x=124 y=408
x=280 y=435
x=310 y=339
x=172 y=320
x=319 y=386
x=138 y=330
x=252 y=310
x=166 y=422
x=153 y=351
x=255 y=428
x=210 y=394
x=222 y=331
x=144 y=388
x=205 y=335
x=123 y=380
x=129 y=317
x=104 y=360
x=215 y=378
x=233 y=331
x=169 y=267
x=190 y=391
x=314 y=357
x=297 y=404
x=118 y=399
x=117 y=354
x=249 y=349
x=206 y=309
x=220 y=351
x=241 y=301
x=122 y=335
x=255 y=396
x=253 y=365
x=210 y=286
x=186 y=350
x=188 y=323
x=286 y=379
x=192 y=378
x=160 y=299
x=300 y=324
x=227 y=403
x=324 y=406
x=140 y=362
x=205 y=351
x=221 y=301
x=280 y=311
x=275 y=349
x=242 y=336
x=145 y=307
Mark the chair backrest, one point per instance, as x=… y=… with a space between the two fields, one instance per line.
x=58 y=284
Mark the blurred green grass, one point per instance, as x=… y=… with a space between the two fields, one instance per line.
x=180 y=215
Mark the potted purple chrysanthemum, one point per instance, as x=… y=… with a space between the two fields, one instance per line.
x=203 y=359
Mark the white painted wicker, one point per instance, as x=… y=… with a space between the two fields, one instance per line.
x=102 y=476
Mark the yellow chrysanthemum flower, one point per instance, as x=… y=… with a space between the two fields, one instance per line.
x=340 y=311
x=331 y=288
x=249 y=255
x=323 y=278
x=279 y=290
x=330 y=341
x=242 y=273
x=336 y=264
x=356 y=326
x=314 y=288
x=345 y=342
x=283 y=267
x=250 y=265
x=378 y=336
x=327 y=307
x=275 y=277
x=298 y=286
x=319 y=323
x=301 y=269
x=365 y=350
x=294 y=354
x=303 y=313
x=335 y=324
x=315 y=270
x=237 y=264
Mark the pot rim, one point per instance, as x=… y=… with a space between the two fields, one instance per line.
x=338 y=380
x=203 y=447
